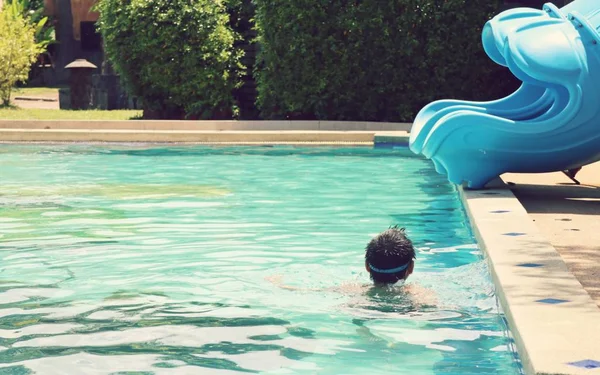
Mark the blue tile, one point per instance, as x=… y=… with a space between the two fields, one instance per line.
x=586 y=363
x=530 y=265
x=552 y=301
x=392 y=145
x=499 y=211
x=514 y=234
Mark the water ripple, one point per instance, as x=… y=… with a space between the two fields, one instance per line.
x=154 y=259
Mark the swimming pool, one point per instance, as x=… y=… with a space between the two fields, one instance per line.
x=156 y=259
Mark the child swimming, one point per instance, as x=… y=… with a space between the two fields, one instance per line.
x=389 y=258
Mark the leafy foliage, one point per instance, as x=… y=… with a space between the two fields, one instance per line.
x=32 y=10
x=178 y=56
x=18 y=50
x=377 y=60
x=242 y=22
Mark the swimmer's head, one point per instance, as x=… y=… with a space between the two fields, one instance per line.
x=390 y=256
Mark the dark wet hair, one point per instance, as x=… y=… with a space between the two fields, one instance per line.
x=388 y=250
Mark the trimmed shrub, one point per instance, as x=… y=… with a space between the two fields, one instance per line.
x=178 y=56
x=18 y=50
x=372 y=60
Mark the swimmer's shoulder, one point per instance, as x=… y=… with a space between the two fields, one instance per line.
x=421 y=295
x=350 y=288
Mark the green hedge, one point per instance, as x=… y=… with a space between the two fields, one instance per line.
x=374 y=60
x=242 y=22
x=178 y=56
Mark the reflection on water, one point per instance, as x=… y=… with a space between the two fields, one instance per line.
x=153 y=260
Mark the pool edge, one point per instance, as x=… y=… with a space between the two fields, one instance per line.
x=207 y=125
x=21 y=135
x=554 y=321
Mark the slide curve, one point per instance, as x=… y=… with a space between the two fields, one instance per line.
x=549 y=124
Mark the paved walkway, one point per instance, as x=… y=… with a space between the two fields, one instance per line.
x=569 y=217
x=40 y=101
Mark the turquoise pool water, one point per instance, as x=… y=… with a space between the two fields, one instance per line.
x=157 y=260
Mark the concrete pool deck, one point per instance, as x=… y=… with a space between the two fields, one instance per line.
x=543 y=248
x=568 y=215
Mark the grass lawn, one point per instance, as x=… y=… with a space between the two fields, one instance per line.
x=60 y=114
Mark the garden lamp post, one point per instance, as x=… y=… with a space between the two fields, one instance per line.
x=80 y=83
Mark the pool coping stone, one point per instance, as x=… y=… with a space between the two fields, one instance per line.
x=207 y=125
x=199 y=136
x=553 y=320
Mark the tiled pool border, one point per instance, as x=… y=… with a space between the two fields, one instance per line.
x=554 y=321
x=185 y=136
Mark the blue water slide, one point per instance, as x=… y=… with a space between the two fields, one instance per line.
x=528 y=102
x=534 y=98
x=549 y=124
x=496 y=31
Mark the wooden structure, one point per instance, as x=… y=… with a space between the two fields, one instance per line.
x=81 y=11
x=75 y=30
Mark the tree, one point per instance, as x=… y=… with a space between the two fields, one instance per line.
x=18 y=50
x=178 y=56
x=33 y=12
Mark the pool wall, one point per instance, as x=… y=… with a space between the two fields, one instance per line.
x=230 y=132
